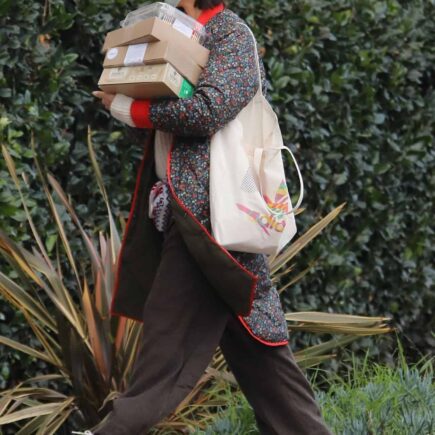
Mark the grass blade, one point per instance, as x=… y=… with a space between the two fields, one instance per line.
x=333 y=318
x=13 y=172
x=114 y=235
x=99 y=342
x=34 y=411
x=96 y=262
x=26 y=349
x=23 y=301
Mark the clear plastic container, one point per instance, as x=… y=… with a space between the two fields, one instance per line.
x=165 y=12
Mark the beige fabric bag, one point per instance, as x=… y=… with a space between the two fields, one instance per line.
x=250 y=206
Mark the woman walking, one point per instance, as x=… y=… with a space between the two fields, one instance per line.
x=175 y=278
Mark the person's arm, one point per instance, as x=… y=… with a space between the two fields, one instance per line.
x=229 y=81
x=120 y=109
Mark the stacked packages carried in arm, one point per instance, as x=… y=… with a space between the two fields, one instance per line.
x=157 y=52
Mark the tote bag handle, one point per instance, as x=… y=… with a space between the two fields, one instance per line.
x=258 y=159
x=258 y=153
x=257 y=60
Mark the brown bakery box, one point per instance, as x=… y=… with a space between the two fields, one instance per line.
x=146 y=81
x=153 y=53
x=153 y=30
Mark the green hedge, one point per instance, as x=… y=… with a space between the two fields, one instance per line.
x=352 y=82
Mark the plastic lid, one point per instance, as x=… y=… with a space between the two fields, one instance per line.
x=165 y=12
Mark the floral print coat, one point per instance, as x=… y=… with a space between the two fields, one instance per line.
x=227 y=84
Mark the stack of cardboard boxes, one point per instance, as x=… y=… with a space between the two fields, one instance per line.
x=156 y=53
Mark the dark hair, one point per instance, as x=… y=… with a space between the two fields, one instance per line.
x=207 y=4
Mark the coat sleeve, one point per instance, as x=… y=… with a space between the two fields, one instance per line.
x=227 y=84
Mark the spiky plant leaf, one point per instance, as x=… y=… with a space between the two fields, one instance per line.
x=289 y=253
x=92 y=353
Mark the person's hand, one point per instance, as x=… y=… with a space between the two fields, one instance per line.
x=105 y=98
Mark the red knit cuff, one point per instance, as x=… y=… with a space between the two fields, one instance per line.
x=140 y=113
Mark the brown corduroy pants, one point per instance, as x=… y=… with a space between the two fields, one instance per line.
x=184 y=322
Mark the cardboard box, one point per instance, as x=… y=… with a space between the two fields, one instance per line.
x=153 y=53
x=153 y=30
x=146 y=81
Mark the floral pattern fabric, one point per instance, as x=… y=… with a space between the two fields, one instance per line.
x=227 y=84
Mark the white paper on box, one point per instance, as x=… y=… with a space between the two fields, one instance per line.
x=181 y=27
x=117 y=74
x=135 y=54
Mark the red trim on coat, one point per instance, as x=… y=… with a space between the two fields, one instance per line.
x=212 y=239
x=267 y=343
x=140 y=113
x=130 y=218
x=208 y=14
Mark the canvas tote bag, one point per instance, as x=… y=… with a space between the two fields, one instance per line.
x=250 y=205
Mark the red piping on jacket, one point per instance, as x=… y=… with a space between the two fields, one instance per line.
x=267 y=343
x=130 y=218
